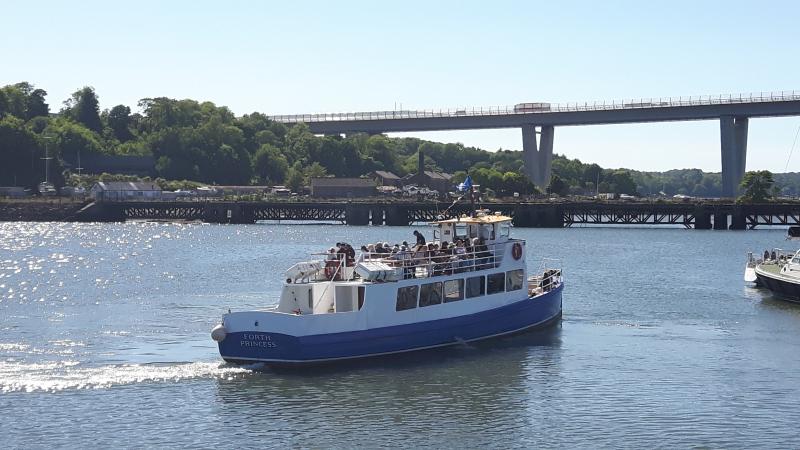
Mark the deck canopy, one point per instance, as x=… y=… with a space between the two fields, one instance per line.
x=492 y=228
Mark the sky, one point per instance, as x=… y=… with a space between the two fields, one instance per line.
x=315 y=57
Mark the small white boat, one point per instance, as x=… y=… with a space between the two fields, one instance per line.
x=432 y=296
x=777 y=271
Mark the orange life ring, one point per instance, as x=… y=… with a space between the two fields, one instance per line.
x=516 y=250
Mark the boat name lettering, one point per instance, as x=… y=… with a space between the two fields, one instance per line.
x=257 y=340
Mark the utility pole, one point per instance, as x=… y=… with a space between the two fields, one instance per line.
x=46 y=159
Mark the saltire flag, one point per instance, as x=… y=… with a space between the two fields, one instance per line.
x=466 y=185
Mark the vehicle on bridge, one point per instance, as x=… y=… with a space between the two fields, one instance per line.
x=531 y=107
x=434 y=294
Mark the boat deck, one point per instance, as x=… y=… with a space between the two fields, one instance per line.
x=772 y=268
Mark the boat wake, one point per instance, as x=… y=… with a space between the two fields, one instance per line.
x=69 y=375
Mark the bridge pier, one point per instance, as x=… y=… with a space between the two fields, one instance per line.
x=356 y=215
x=376 y=216
x=702 y=219
x=397 y=216
x=733 y=141
x=538 y=160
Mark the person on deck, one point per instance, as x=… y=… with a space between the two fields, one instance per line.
x=420 y=239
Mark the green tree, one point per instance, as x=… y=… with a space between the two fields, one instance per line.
x=294 y=178
x=269 y=165
x=83 y=107
x=757 y=186
x=557 y=186
x=119 y=120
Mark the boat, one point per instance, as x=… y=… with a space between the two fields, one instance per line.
x=793 y=233
x=440 y=293
x=777 y=271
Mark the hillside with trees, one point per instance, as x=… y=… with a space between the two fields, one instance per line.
x=206 y=143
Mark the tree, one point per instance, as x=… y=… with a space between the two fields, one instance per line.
x=35 y=105
x=557 y=186
x=294 y=178
x=757 y=186
x=83 y=107
x=269 y=165
x=119 y=119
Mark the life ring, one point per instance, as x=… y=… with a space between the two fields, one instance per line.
x=516 y=250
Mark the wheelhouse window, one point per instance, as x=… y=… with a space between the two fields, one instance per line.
x=406 y=298
x=495 y=283
x=505 y=229
x=453 y=290
x=475 y=286
x=430 y=294
x=514 y=280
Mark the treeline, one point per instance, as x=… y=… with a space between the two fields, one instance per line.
x=203 y=142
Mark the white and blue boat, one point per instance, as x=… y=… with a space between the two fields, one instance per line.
x=469 y=283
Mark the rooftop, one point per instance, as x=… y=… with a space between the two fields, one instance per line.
x=342 y=182
x=127 y=186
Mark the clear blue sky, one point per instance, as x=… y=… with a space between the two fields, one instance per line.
x=300 y=57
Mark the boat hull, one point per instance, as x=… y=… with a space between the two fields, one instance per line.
x=787 y=289
x=283 y=349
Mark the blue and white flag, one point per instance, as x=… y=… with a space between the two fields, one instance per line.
x=466 y=184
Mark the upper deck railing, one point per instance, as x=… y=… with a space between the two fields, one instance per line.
x=660 y=102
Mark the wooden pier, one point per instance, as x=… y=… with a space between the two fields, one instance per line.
x=703 y=216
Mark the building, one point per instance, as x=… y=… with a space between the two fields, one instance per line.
x=426 y=178
x=386 y=178
x=116 y=191
x=343 y=187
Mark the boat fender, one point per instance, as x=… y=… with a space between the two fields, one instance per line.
x=516 y=250
x=218 y=333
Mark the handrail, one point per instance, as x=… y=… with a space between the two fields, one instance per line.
x=420 y=264
x=660 y=102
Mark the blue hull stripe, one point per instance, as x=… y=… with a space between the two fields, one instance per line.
x=286 y=349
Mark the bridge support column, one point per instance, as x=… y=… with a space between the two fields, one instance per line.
x=538 y=160
x=356 y=215
x=733 y=140
x=702 y=219
x=720 y=221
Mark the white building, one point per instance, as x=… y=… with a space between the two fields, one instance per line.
x=115 y=191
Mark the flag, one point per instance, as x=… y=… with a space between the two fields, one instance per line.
x=466 y=184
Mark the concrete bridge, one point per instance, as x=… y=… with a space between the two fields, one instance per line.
x=538 y=121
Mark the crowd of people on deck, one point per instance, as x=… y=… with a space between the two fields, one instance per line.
x=445 y=258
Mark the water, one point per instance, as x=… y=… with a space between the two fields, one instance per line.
x=104 y=341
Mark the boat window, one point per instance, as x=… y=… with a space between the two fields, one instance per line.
x=487 y=232
x=505 y=229
x=406 y=298
x=361 y=292
x=475 y=286
x=453 y=290
x=495 y=283
x=514 y=280
x=430 y=294
x=461 y=230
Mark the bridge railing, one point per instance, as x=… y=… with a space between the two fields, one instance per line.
x=661 y=102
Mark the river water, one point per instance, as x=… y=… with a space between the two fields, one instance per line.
x=104 y=342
